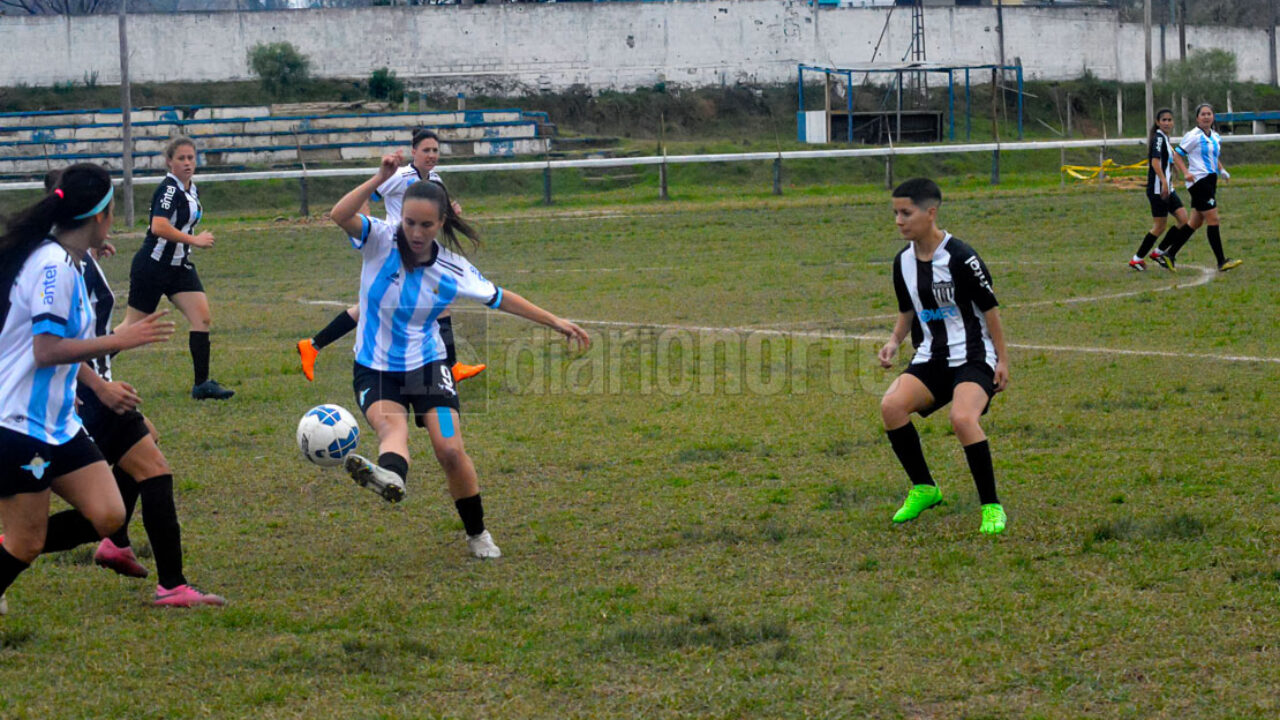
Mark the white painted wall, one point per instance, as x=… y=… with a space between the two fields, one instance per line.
x=602 y=45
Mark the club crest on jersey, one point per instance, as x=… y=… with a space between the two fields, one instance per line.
x=36 y=467
x=944 y=293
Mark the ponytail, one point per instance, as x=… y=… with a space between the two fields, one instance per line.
x=83 y=190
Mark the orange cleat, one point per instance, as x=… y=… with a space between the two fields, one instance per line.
x=308 y=353
x=462 y=372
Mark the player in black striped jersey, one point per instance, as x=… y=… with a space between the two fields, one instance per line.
x=162 y=267
x=1161 y=196
x=946 y=302
x=425 y=146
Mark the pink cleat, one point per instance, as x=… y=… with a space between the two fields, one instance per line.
x=186 y=596
x=121 y=559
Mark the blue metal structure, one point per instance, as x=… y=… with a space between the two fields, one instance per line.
x=899 y=71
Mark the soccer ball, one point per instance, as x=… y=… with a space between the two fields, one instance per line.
x=327 y=434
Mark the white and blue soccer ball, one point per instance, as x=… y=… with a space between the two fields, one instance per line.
x=327 y=434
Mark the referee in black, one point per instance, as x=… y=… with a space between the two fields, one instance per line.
x=162 y=267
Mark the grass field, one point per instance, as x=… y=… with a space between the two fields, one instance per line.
x=695 y=514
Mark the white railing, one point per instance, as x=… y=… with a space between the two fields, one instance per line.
x=546 y=165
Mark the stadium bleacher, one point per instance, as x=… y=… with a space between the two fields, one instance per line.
x=33 y=142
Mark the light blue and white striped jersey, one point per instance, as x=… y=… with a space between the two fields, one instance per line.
x=391 y=192
x=397 y=330
x=48 y=298
x=1201 y=152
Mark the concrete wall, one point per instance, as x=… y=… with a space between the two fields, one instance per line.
x=513 y=47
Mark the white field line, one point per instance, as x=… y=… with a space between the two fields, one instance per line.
x=1206 y=276
x=880 y=337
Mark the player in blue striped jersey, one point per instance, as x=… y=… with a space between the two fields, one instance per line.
x=412 y=271
x=48 y=330
x=425 y=148
x=1199 y=159
x=946 y=303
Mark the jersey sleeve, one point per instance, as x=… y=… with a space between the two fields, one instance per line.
x=434 y=177
x=374 y=234
x=471 y=284
x=390 y=186
x=1155 y=151
x=1187 y=144
x=973 y=276
x=164 y=202
x=54 y=297
x=900 y=287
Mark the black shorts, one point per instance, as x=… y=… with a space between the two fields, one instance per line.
x=30 y=466
x=114 y=433
x=941 y=381
x=1164 y=208
x=1204 y=193
x=430 y=386
x=149 y=281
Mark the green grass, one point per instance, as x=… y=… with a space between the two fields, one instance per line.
x=696 y=521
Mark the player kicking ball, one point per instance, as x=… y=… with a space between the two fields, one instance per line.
x=946 y=302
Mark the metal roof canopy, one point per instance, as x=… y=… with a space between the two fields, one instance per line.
x=903 y=68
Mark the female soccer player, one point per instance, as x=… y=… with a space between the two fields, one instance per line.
x=1161 y=196
x=1199 y=159
x=162 y=266
x=411 y=272
x=47 y=332
x=946 y=302
x=426 y=154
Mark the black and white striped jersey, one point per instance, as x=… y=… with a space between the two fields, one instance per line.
x=1159 y=149
x=103 y=301
x=948 y=296
x=182 y=209
x=391 y=192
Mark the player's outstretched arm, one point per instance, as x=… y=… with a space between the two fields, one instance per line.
x=346 y=212
x=516 y=305
x=1002 y=352
x=50 y=349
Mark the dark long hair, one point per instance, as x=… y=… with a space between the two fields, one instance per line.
x=80 y=188
x=451 y=225
x=422 y=134
x=1151 y=134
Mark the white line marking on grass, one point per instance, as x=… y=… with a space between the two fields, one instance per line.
x=882 y=336
x=1206 y=276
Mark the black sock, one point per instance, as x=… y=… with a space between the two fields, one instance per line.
x=1215 y=243
x=199 y=344
x=129 y=494
x=396 y=463
x=340 y=325
x=1181 y=239
x=160 y=518
x=984 y=476
x=1169 y=236
x=10 y=568
x=1147 y=241
x=68 y=529
x=446 y=336
x=906 y=445
x=472 y=513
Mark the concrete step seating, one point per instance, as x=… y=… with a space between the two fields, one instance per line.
x=33 y=142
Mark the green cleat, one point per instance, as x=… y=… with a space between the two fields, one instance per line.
x=993 y=519
x=921 y=498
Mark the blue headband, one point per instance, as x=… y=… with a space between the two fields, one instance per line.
x=102 y=204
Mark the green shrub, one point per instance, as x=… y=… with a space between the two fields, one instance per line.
x=384 y=85
x=282 y=70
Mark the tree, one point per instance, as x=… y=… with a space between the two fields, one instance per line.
x=280 y=68
x=1205 y=76
x=61 y=7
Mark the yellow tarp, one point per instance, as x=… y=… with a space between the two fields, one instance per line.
x=1109 y=167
